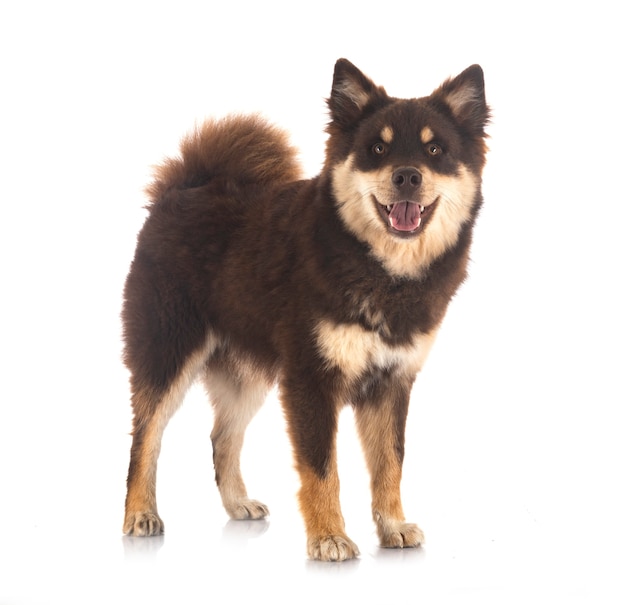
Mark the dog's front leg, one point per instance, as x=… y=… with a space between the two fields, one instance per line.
x=381 y=423
x=311 y=412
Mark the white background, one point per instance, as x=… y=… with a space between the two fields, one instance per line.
x=515 y=446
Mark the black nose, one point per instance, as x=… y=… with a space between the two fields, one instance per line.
x=407 y=180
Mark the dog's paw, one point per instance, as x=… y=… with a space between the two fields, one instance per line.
x=332 y=548
x=399 y=534
x=247 y=509
x=143 y=524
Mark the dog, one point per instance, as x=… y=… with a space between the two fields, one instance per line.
x=248 y=275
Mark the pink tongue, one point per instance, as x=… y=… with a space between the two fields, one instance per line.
x=405 y=216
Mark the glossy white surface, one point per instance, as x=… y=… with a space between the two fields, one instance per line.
x=515 y=441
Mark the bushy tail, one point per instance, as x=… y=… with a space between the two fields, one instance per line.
x=246 y=149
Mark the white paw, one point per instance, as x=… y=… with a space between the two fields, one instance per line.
x=332 y=548
x=246 y=509
x=146 y=523
x=399 y=534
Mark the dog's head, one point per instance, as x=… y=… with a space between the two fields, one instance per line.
x=406 y=172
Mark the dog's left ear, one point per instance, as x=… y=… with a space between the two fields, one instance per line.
x=353 y=94
x=465 y=96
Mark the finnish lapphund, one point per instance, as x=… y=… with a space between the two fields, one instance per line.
x=246 y=275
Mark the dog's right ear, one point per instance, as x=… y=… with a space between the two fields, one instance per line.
x=352 y=95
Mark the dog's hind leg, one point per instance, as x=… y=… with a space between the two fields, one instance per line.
x=236 y=392
x=153 y=409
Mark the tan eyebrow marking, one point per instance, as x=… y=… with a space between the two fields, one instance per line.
x=386 y=134
x=427 y=135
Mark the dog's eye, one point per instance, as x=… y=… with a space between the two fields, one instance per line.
x=434 y=149
x=379 y=148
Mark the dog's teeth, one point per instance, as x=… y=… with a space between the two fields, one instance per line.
x=421 y=208
x=388 y=208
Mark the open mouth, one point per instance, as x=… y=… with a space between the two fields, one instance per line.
x=405 y=218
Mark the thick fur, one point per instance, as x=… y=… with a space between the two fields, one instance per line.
x=334 y=287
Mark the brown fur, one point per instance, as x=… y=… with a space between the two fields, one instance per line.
x=245 y=275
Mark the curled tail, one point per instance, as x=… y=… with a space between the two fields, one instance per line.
x=246 y=149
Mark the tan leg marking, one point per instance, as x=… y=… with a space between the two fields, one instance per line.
x=141 y=517
x=325 y=527
x=236 y=395
x=377 y=426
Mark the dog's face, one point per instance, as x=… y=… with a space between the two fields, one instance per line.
x=406 y=172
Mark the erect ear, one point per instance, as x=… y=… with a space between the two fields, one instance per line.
x=352 y=94
x=465 y=96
